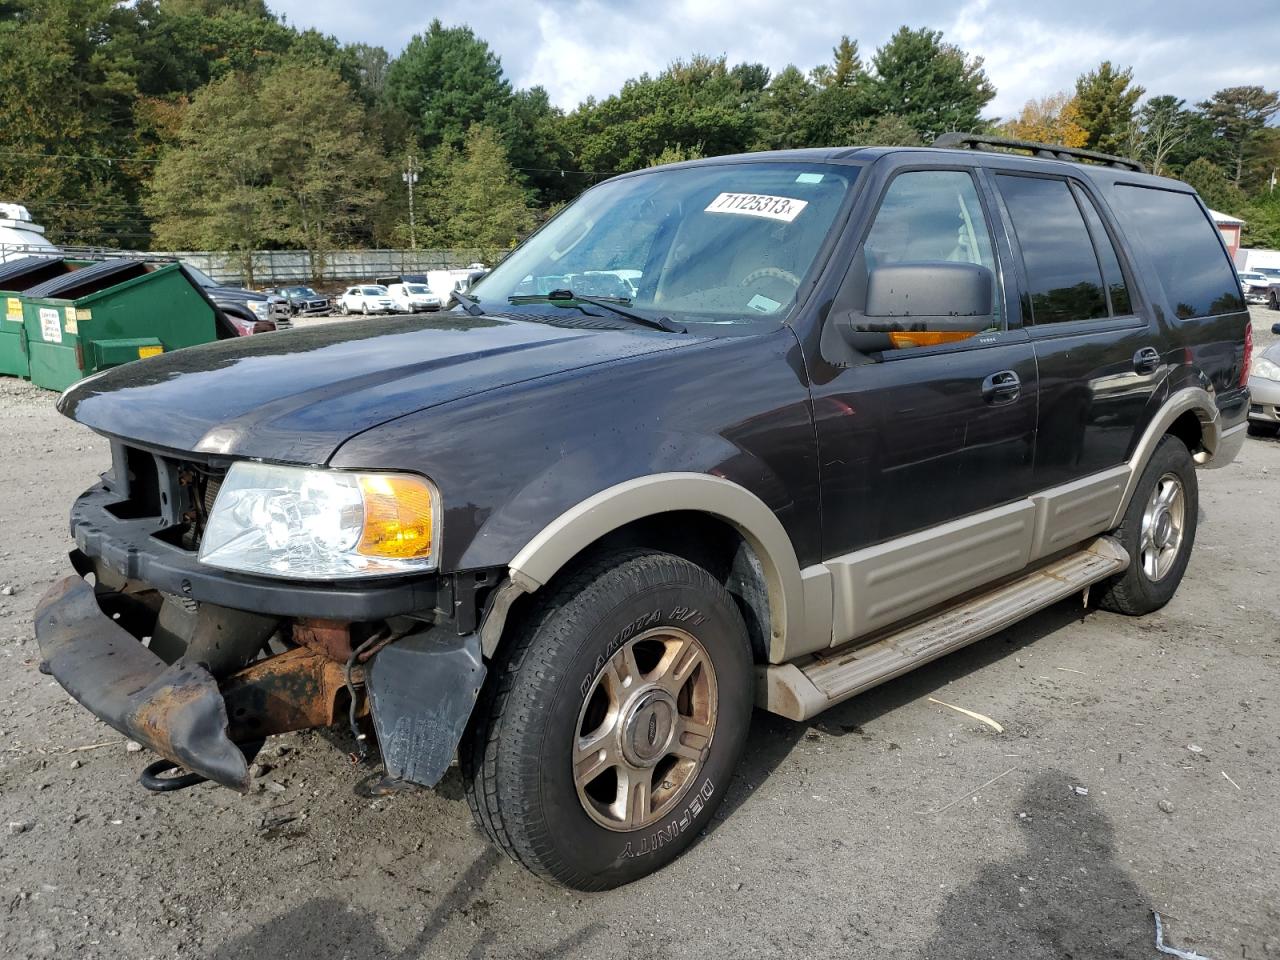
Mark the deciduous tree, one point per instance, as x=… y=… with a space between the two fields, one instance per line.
x=1052 y=119
x=478 y=201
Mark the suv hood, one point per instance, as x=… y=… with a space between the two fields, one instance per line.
x=296 y=396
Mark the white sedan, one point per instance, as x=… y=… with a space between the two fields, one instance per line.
x=366 y=300
x=413 y=297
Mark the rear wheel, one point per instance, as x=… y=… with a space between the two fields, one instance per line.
x=1273 y=301
x=344 y=309
x=609 y=729
x=1158 y=530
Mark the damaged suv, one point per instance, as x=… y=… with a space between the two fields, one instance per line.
x=848 y=411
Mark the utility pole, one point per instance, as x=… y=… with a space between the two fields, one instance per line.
x=410 y=177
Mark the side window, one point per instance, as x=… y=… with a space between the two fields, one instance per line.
x=1112 y=275
x=1063 y=275
x=1185 y=249
x=926 y=272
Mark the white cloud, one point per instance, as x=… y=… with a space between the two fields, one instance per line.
x=580 y=48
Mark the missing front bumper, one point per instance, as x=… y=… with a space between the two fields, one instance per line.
x=423 y=688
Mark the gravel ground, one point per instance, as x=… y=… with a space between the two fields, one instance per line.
x=1137 y=771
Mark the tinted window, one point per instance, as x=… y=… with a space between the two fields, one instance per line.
x=1062 y=268
x=926 y=216
x=1185 y=249
x=1112 y=275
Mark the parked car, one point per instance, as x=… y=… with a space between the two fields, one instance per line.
x=1264 y=391
x=1272 y=275
x=248 y=311
x=304 y=301
x=867 y=406
x=1256 y=286
x=366 y=299
x=413 y=297
x=445 y=283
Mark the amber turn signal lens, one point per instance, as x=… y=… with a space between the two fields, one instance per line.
x=398 y=514
x=927 y=338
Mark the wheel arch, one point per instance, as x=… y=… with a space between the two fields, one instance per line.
x=1189 y=414
x=661 y=506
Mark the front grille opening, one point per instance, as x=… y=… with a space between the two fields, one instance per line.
x=143 y=484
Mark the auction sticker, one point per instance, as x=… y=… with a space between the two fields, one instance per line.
x=757 y=205
x=50 y=325
x=13 y=310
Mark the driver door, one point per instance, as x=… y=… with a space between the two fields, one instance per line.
x=920 y=434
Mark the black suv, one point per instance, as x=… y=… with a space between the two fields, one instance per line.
x=753 y=431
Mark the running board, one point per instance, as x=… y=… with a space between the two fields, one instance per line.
x=804 y=688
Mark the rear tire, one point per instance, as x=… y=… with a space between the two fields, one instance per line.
x=611 y=722
x=1158 y=530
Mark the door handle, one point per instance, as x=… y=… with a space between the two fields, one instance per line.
x=1001 y=388
x=1146 y=360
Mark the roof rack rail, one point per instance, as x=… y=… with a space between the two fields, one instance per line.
x=975 y=141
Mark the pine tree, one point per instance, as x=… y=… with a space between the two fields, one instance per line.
x=1106 y=98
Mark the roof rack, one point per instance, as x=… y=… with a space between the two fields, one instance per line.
x=974 y=141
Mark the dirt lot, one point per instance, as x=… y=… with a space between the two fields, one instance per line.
x=1138 y=770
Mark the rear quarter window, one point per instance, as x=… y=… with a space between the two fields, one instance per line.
x=1185 y=250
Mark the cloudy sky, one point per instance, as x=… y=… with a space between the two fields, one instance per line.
x=577 y=48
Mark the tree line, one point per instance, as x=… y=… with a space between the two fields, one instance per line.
x=214 y=124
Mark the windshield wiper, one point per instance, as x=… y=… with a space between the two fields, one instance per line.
x=656 y=323
x=469 y=303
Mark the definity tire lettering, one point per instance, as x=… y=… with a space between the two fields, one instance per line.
x=672 y=829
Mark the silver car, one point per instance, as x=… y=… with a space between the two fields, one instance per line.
x=1264 y=390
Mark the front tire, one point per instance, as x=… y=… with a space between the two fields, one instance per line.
x=1158 y=530
x=612 y=721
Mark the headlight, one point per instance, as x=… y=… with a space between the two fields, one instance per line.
x=259 y=308
x=321 y=524
x=1266 y=369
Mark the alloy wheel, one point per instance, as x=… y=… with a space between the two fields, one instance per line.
x=645 y=729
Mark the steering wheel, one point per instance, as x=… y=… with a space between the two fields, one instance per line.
x=778 y=272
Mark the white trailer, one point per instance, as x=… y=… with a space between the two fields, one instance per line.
x=1255 y=259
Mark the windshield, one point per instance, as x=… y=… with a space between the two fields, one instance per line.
x=375 y=291
x=726 y=243
x=417 y=288
x=300 y=291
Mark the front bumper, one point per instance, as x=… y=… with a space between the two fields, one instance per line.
x=1264 y=400
x=177 y=710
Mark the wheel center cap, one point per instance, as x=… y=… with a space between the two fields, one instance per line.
x=1164 y=529
x=647 y=731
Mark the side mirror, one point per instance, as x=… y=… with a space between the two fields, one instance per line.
x=921 y=305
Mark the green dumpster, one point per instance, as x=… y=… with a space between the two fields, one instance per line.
x=110 y=313
x=17 y=276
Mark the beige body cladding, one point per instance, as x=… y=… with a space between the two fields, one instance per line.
x=857 y=594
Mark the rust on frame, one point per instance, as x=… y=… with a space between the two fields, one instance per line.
x=331 y=638
x=295 y=690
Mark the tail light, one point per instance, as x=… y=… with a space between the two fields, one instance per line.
x=1248 y=354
